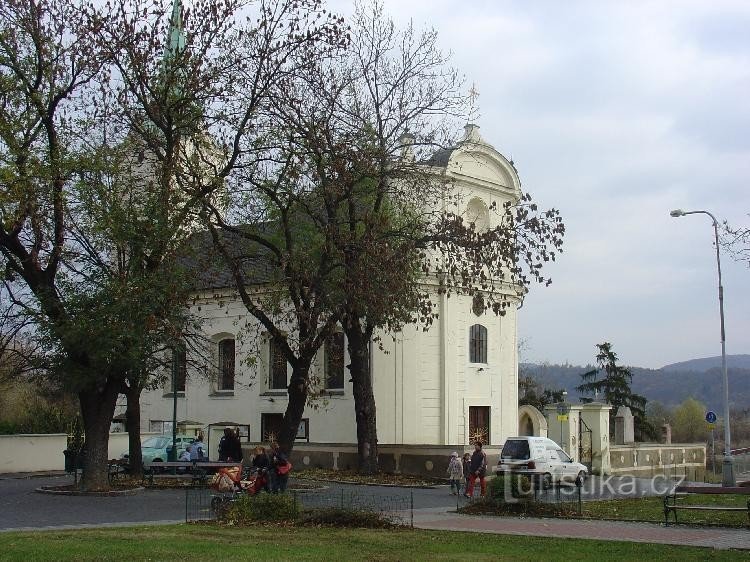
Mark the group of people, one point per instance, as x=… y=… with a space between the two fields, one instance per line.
x=195 y=451
x=274 y=465
x=467 y=470
x=230 y=445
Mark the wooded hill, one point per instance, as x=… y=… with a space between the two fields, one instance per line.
x=670 y=385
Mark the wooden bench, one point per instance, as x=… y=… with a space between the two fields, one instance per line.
x=671 y=505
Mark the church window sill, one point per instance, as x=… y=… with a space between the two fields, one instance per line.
x=274 y=393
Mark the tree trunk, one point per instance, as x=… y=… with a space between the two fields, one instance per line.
x=364 y=398
x=97 y=409
x=295 y=408
x=133 y=421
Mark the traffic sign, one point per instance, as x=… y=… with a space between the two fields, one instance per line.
x=711 y=417
x=562 y=417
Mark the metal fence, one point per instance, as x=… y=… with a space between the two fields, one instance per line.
x=398 y=508
x=200 y=504
x=204 y=504
x=559 y=499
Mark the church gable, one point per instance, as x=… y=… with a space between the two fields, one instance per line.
x=478 y=164
x=475 y=163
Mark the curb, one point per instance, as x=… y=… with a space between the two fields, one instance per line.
x=54 y=490
x=352 y=483
x=30 y=475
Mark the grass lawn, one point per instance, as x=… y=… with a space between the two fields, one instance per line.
x=208 y=542
x=652 y=509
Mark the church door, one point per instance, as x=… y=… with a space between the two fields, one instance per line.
x=270 y=426
x=479 y=424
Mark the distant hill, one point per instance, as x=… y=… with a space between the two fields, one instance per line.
x=668 y=386
x=704 y=364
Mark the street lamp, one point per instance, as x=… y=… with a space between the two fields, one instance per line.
x=563 y=409
x=727 y=467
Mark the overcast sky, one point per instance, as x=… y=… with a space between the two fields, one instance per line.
x=615 y=113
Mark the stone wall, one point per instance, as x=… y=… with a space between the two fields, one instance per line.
x=420 y=460
x=638 y=459
x=651 y=459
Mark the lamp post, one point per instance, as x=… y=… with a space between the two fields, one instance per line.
x=727 y=478
x=172 y=457
x=563 y=409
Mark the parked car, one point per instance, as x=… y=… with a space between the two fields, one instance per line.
x=156 y=448
x=542 y=459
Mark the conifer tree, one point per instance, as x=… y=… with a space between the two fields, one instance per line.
x=613 y=381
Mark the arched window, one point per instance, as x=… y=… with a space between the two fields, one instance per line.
x=334 y=361
x=478 y=344
x=277 y=379
x=226 y=364
x=478 y=214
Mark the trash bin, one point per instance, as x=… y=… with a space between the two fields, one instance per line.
x=71 y=460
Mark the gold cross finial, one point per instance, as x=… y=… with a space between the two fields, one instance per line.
x=473 y=103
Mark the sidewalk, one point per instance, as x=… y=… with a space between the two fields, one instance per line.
x=717 y=537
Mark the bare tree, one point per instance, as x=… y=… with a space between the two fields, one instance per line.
x=200 y=111
x=736 y=241
x=361 y=126
x=113 y=127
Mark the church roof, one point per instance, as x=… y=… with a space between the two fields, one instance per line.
x=441 y=158
x=207 y=269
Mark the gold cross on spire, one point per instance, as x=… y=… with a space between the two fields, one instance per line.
x=473 y=103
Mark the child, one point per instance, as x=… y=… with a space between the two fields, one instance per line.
x=184 y=457
x=455 y=473
x=466 y=464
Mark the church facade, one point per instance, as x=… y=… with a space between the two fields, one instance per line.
x=447 y=386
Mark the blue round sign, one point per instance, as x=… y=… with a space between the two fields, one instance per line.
x=711 y=417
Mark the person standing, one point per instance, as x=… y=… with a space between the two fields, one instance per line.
x=280 y=467
x=225 y=445
x=477 y=469
x=235 y=447
x=455 y=473
x=197 y=449
x=466 y=465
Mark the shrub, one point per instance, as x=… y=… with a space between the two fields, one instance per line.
x=263 y=507
x=510 y=486
x=489 y=506
x=343 y=517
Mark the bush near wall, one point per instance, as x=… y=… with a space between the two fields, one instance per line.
x=509 y=486
x=263 y=507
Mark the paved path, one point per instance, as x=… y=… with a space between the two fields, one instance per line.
x=721 y=538
x=23 y=509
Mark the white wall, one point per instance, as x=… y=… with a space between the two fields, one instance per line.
x=29 y=453
x=40 y=452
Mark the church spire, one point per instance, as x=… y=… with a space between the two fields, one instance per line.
x=176 y=34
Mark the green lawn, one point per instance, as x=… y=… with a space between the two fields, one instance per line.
x=652 y=509
x=209 y=542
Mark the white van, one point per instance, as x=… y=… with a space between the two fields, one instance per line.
x=540 y=458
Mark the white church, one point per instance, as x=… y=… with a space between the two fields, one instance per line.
x=435 y=391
